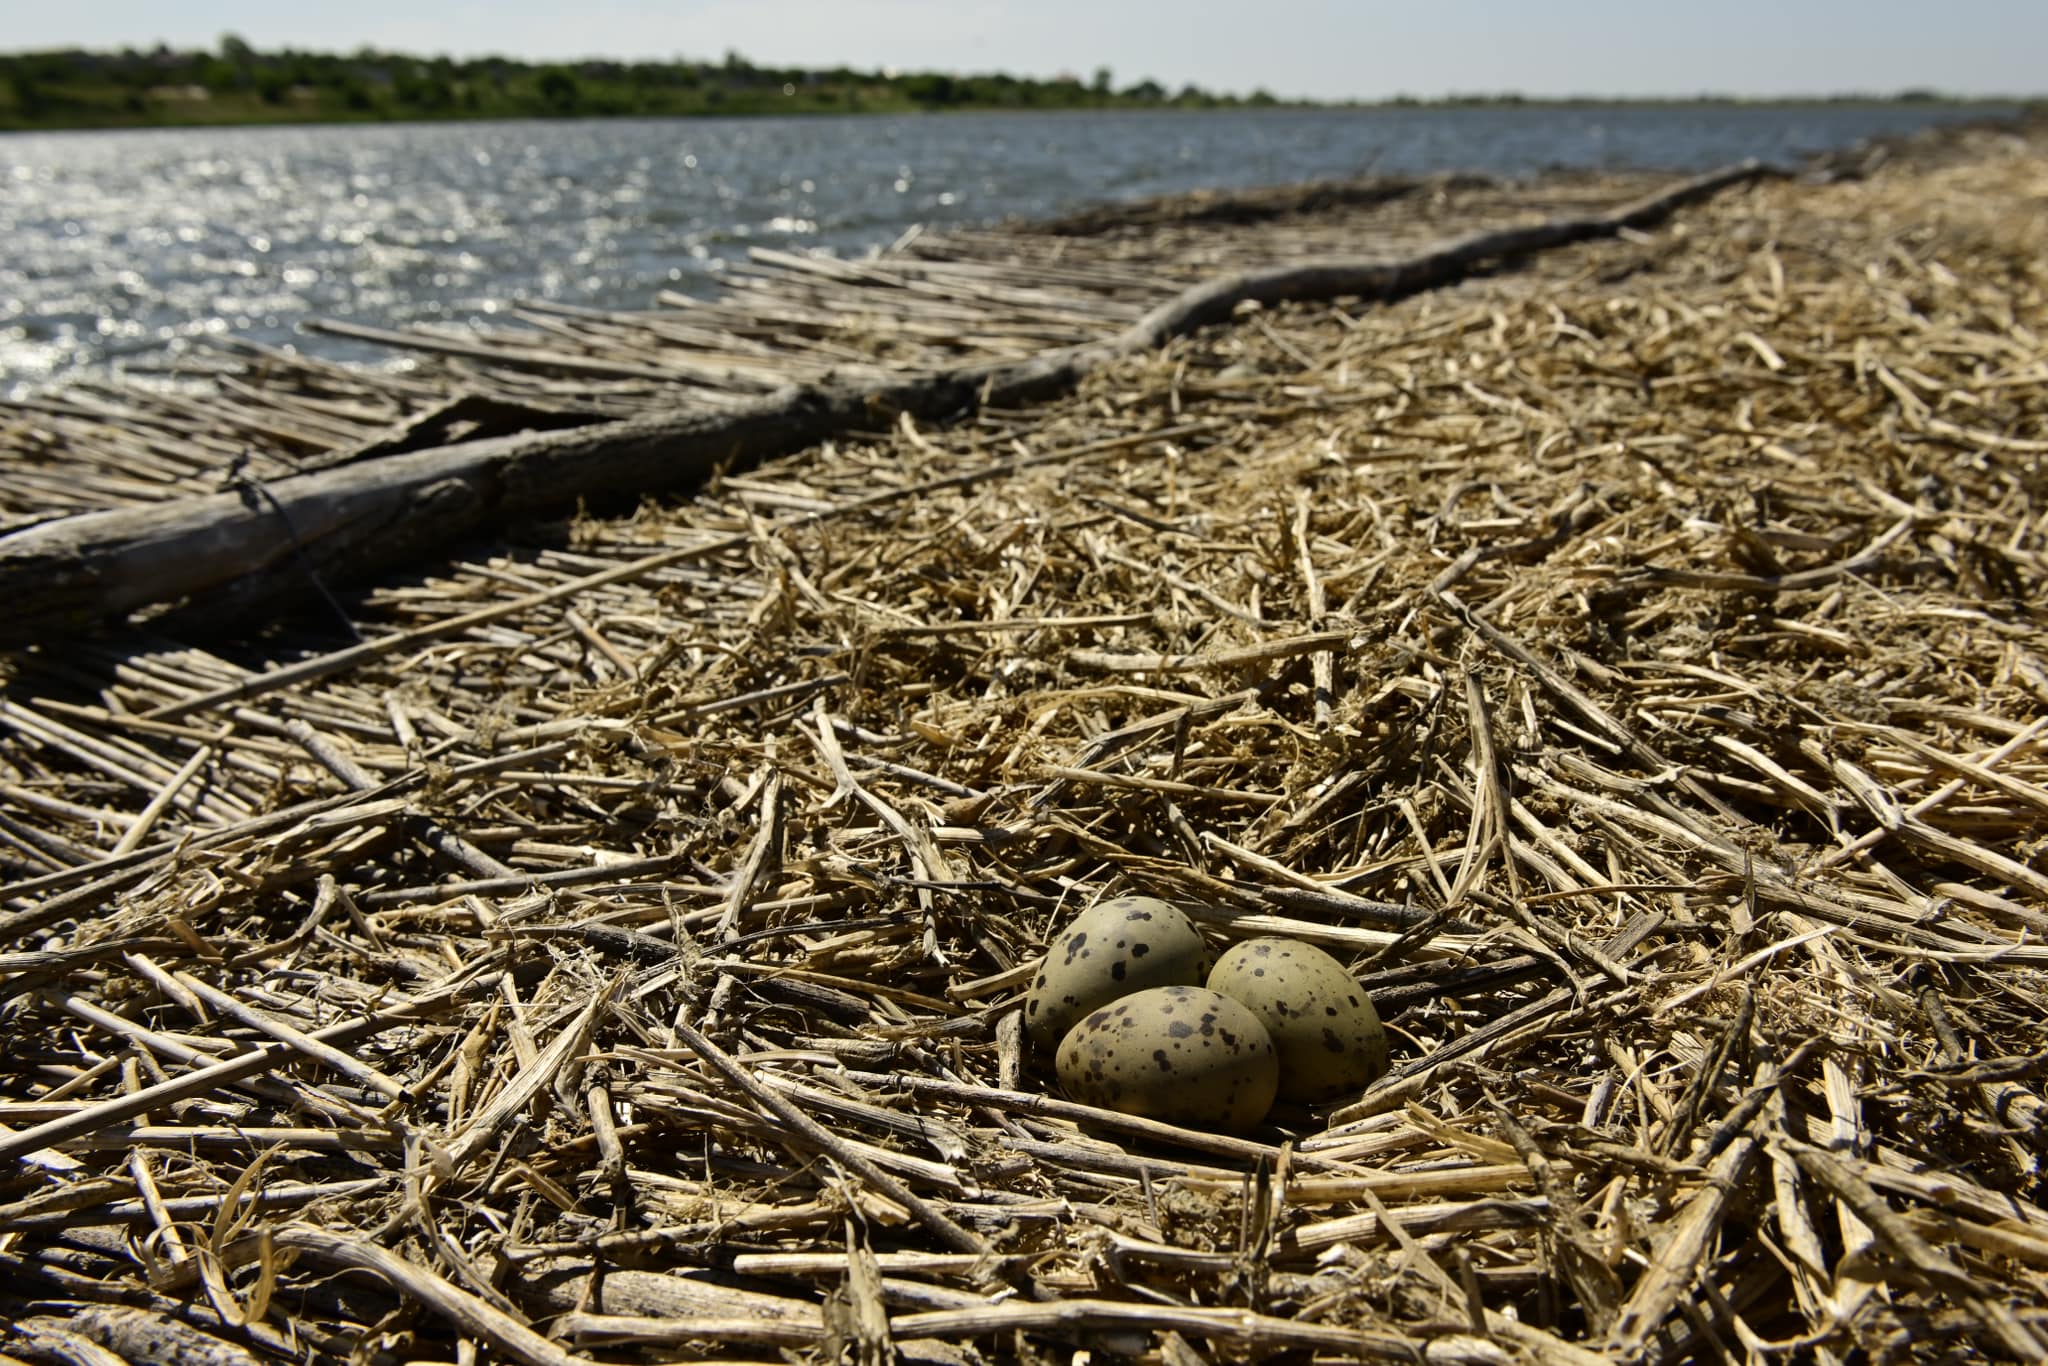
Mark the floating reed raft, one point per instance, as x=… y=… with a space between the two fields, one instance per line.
x=605 y=944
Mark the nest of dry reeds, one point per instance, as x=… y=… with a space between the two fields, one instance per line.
x=1630 y=665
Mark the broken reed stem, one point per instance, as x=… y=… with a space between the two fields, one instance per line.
x=816 y=1136
x=206 y=1080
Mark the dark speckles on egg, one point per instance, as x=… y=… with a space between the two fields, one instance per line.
x=1324 y=1028
x=1181 y=1054
x=1103 y=956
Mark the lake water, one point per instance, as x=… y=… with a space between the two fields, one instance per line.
x=134 y=244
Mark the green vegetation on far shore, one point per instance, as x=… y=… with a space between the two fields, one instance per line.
x=238 y=84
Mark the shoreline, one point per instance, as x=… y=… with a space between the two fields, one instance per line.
x=834 y=327
x=2006 y=107
x=436 y=368
x=219 y=548
x=270 y=270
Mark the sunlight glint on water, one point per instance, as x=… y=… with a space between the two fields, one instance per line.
x=129 y=244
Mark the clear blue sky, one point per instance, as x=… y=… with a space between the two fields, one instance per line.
x=1321 y=48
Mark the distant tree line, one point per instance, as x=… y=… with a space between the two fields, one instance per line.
x=1465 y=99
x=235 y=83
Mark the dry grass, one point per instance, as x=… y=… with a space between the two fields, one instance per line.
x=1631 y=664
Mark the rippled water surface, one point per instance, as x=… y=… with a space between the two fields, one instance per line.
x=133 y=243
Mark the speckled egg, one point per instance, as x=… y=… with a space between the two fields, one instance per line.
x=1328 y=1035
x=1112 y=949
x=1186 y=1055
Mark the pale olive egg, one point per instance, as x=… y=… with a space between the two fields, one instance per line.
x=1328 y=1035
x=1185 y=1055
x=1112 y=949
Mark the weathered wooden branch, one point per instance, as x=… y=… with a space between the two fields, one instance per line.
x=238 y=550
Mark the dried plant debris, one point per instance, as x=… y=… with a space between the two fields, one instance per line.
x=240 y=414
x=1629 y=666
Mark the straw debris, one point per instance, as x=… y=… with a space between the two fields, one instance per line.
x=1628 y=663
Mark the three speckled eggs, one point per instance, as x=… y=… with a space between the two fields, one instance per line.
x=1141 y=1020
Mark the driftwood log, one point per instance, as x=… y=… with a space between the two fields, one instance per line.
x=228 y=553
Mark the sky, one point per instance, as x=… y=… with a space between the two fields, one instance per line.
x=1324 y=49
